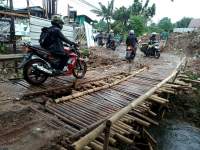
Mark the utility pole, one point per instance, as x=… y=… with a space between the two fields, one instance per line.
x=12 y=28
x=53 y=7
x=12 y=34
x=28 y=8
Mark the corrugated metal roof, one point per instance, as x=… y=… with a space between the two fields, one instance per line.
x=195 y=23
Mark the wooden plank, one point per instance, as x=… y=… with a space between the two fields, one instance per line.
x=13 y=14
x=10 y=56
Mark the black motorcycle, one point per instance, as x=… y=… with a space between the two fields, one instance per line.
x=111 y=45
x=130 y=53
x=151 y=49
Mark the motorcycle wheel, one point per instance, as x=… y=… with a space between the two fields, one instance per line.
x=32 y=75
x=113 y=48
x=157 y=54
x=80 y=70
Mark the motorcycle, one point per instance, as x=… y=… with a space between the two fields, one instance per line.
x=39 y=64
x=111 y=45
x=130 y=53
x=152 y=49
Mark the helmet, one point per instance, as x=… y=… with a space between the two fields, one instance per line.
x=111 y=31
x=57 y=21
x=131 y=32
x=153 y=33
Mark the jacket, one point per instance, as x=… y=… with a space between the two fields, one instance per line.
x=57 y=39
x=131 y=40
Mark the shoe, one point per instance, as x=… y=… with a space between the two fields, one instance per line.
x=65 y=69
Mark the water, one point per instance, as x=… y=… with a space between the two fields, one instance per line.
x=172 y=134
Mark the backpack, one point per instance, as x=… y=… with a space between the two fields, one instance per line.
x=45 y=38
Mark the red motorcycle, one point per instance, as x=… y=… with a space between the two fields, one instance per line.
x=39 y=64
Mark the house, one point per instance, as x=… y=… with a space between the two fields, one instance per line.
x=34 y=11
x=195 y=23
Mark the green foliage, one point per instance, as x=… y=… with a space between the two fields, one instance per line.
x=122 y=14
x=105 y=12
x=100 y=26
x=127 y=18
x=154 y=28
x=2 y=49
x=118 y=27
x=137 y=23
x=137 y=9
x=165 y=24
x=183 y=23
x=85 y=52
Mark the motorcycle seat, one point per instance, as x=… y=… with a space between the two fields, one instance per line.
x=39 y=48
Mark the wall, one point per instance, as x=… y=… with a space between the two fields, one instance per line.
x=36 y=24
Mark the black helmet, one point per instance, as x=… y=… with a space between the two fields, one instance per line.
x=57 y=21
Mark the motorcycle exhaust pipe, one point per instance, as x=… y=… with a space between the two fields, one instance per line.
x=42 y=69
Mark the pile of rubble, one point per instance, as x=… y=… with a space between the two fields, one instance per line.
x=189 y=43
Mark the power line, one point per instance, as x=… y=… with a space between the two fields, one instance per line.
x=88 y=4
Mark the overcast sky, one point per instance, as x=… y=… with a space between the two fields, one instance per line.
x=164 y=8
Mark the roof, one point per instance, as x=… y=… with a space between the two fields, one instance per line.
x=34 y=8
x=195 y=23
x=88 y=19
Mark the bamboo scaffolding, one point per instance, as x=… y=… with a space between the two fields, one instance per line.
x=97 y=89
x=92 y=135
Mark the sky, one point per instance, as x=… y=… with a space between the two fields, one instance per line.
x=164 y=8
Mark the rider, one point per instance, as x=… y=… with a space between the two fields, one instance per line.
x=131 y=39
x=110 y=38
x=152 y=38
x=56 y=47
x=99 y=38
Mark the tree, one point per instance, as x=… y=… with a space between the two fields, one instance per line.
x=143 y=10
x=183 y=23
x=122 y=14
x=105 y=12
x=118 y=27
x=100 y=26
x=137 y=23
x=154 y=28
x=165 y=24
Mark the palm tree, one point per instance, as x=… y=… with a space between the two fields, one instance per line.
x=105 y=12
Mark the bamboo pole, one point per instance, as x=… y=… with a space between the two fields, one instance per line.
x=158 y=99
x=123 y=138
x=149 y=136
x=107 y=135
x=145 y=118
x=92 y=135
x=13 y=14
x=95 y=146
x=65 y=98
x=139 y=121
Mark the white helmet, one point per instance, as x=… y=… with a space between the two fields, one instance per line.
x=111 y=31
x=131 y=32
x=153 y=33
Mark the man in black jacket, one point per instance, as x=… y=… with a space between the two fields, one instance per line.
x=57 y=38
x=131 y=39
